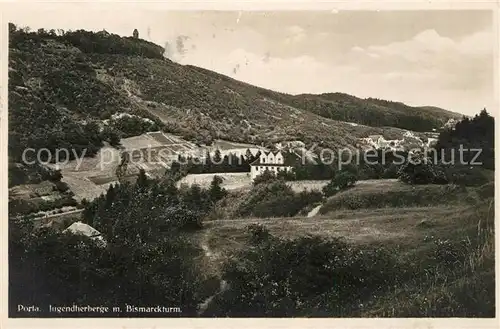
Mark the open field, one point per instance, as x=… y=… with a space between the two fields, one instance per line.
x=404 y=224
x=231 y=181
x=405 y=227
x=30 y=191
x=235 y=181
x=445 y=245
x=384 y=193
x=299 y=186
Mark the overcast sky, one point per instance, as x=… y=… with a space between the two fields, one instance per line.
x=440 y=58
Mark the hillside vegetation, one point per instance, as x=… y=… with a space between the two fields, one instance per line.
x=389 y=193
x=63 y=84
x=372 y=111
x=384 y=248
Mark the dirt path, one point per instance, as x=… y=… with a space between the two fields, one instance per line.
x=212 y=259
x=314 y=212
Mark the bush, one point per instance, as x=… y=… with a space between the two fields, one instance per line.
x=276 y=199
x=266 y=177
x=340 y=181
x=307 y=276
x=421 y=170
x=465 y=175
x=61 y=186
x=258 y=233
x=63 y=269
x=422 y=196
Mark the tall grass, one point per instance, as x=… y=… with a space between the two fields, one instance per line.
x=460 y=284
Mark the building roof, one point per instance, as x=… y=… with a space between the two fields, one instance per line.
x=79 y=228
x=289 y=159
x=83 y=229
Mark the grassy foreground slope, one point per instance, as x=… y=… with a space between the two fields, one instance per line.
x=443 y=255
x=389 y=193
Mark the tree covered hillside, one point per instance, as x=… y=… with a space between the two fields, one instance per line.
x=63 y=84
x=372 y=111
x=55 y=96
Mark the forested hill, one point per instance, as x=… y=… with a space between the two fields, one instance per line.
x=373 y=112
x=63 y=84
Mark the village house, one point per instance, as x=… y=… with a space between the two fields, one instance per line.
x=275 y=162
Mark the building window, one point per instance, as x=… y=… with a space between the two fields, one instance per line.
x=263 y=160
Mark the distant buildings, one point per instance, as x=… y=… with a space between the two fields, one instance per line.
x=275 y=162
x=450 y=124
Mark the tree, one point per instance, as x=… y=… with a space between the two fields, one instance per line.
x=266 y=177
x=421 y=170
x=249 y=157
x=216 y=192
x=142 y=179
x=135 y=34
x=194 y=197
x=64 y=268
x=12 y=27
x=121 y=169
x=217 y=157
x=110 y=195
x=470 y=135
x=341 y=181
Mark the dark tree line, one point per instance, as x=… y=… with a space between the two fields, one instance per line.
x=462 y=154
x=217 y=163
x=167 y=206
x=472 y=133
x=94 y=42
x=370 y=112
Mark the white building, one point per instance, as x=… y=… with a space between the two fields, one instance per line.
x=274 y=162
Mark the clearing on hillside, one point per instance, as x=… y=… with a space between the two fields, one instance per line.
x=383 y=193
x=230 y=181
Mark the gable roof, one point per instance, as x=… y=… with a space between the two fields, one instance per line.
x=289 y=159
x=83 y=229
x=266 y=153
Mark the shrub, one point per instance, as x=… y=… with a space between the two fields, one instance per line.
x=421 y=170
x=307 y=276
x=74 y=270
x=258 y=233
x=266 y=177
x=61 y=186
x=340 y=181
x=276 y=199
x=407 y=197
x=465 y=175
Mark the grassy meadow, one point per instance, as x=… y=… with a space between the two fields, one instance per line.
x=443 y=241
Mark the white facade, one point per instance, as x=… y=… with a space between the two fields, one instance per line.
x=272 y=162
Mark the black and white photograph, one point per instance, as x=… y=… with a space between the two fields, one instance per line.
x=169 y=163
